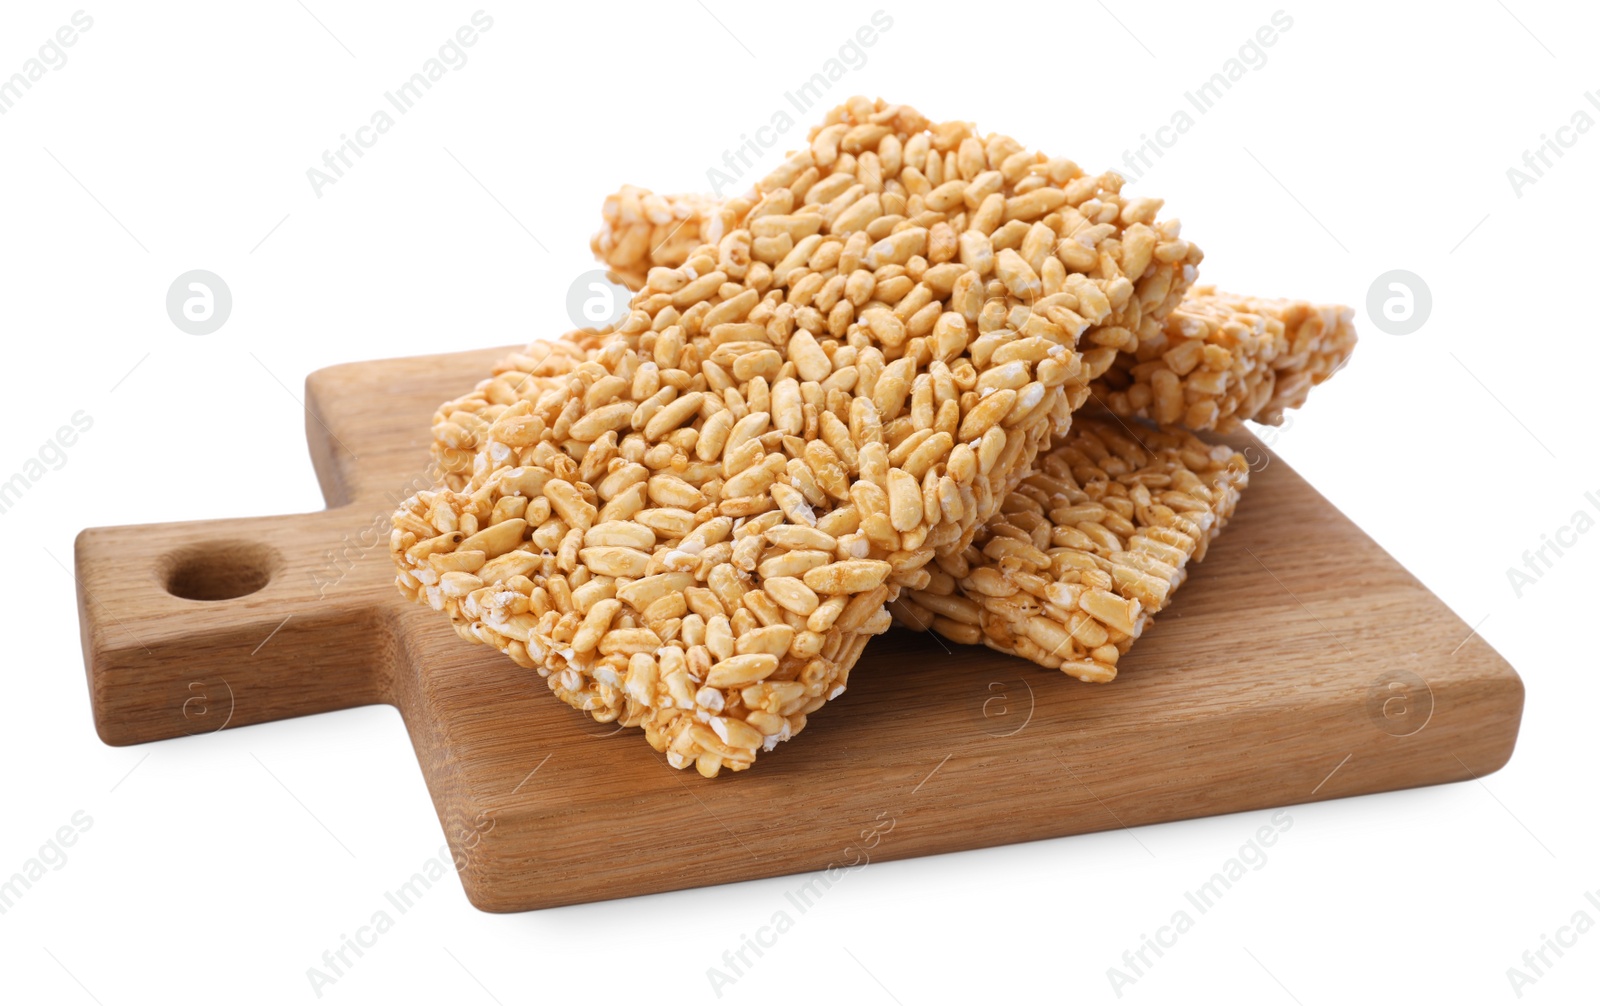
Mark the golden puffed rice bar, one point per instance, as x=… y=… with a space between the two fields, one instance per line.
x=1087 y=549
x=1215 y=360
x=695 y=529
x=1221 y=359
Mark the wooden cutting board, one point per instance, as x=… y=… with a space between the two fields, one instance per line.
x=1300 y=662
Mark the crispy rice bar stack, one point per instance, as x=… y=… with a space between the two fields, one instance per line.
x=1087 y=549
x=697 y=528
x=1215 y=361
x=1211 y=363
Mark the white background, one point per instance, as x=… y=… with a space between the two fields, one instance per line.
x=177 y=136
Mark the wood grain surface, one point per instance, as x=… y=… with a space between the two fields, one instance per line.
x=1300 y=662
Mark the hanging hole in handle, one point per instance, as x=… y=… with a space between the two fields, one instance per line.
x=218 y=571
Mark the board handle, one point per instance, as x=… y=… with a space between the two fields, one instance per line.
x=190 y=628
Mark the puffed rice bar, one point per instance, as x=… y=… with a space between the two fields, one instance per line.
x=1087 y=549
x=1220 y=359
x=697 y=528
